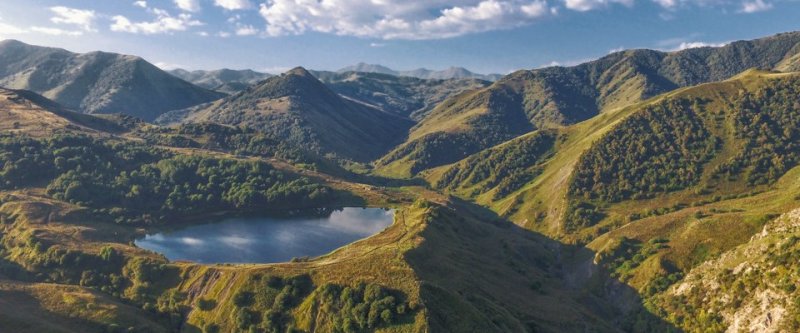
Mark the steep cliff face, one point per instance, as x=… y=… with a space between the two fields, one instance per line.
x=752 y=288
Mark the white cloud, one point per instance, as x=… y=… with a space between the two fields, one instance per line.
x=384 y=19
x=164 y=23
x=535 y=9
x=377 y=44
x=745 y=6
x=233 y=4
x=79 y=17
x=566 y=63
x=694 y=45
x=188 y=5
x=166 y=65
x=8 y=29
x=276 y=69
x=587 y=5
x=247 y=30
x=755 y=6
x=615 y=50
x=142 y=4
x=223 y=34
x=56 y=31
x=668 y=4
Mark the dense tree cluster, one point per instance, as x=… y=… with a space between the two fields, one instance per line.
x=581 y=215
x=660 y=149
x=505 y=168
x=189 y=184
x=240 y=140
x=133 y=183
x=25 y=161
x=269 y=304
x=276 y=296
x=625 y=254
x=768 y=124
x=362 y=308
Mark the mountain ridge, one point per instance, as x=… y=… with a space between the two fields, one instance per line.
x=223 y=80
x=421 y=73
x=554 y=97
x=97 y=82
x=298 y=109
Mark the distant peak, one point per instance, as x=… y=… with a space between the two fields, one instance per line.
x=11 y=42
x=300 y=71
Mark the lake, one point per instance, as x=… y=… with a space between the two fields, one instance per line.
x=269 y=239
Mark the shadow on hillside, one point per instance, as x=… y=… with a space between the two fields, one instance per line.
x=481 y=273
x=20 y=312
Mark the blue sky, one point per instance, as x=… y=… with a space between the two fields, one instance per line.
x=486 y=36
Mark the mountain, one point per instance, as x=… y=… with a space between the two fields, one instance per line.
x=557 y=96
x=675 y=196
x=421 y=73
x=687 y=142
x=369 y=68
x=402 y=95
x=97 y=82
x=223 y=80
x=299 y=110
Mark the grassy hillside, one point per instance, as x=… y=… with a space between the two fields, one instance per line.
x=557 y=96
x=25 y=112
x=658 y=188
x=59 y=252
x=670 y=213
x=687 y=144
x=97 y=82
x=46 y=307
x=419 y=275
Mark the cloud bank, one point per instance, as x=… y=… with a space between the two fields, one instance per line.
x=398 y=20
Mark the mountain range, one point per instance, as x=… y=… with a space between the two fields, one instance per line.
x=97 y=82
x=644 y=191
x=421 y=73
x=223 y=80
x=298 y=109
x=403 y=95
x=557 y=96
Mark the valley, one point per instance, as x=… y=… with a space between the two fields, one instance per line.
x=645 y=191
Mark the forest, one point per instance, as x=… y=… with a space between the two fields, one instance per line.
x=768 y=131
x=133 y=183
x=661 y=149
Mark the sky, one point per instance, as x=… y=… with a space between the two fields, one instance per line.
x=485 y=36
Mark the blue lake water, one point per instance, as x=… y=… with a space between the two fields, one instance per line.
x=268 y=239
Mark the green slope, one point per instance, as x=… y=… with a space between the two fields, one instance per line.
x=658 y=189
x=557 y=96
x=689 y=144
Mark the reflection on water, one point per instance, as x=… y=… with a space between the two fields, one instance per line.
x=269 y=239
